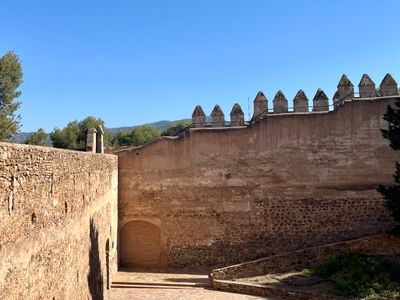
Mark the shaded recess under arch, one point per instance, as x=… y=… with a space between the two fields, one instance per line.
x=140 y=244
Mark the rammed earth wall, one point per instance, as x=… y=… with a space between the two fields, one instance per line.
x=58 y=212
x=289 y=181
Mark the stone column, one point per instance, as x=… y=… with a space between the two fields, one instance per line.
x=217 y=117
x=280 y=103
x=366 y=87
x=320 y=101
x=237 y=115
x=300 y=102
x=389 y=86
x=90 y=145
x=99 y=139
x=260 y=105
x=198 y=117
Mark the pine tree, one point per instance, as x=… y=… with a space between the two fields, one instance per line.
x=73 y=135
x=10 y=80
x=391 y=193
x=38 y=138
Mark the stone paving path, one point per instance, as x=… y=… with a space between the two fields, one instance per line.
x=167 y=285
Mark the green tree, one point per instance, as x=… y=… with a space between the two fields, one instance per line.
x=67 y=137
x=122 y=138
x=392 y=192
x=10 y=80
x=175 y=128
x=137 y=136
x=74 y=134
x=38 y=138
x=84 y=125
x=144 y=134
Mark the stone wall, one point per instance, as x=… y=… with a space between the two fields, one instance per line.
x=58 y=212
x=286 y=182
x=378 y=245
x=233 y=278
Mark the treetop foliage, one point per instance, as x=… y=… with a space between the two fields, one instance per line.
x=10 y=80
x=38 y=138
x=176 y=128
x=74 y=134
x=391 y=193
x=137 y=136
x=392 y=116
x=143 y=134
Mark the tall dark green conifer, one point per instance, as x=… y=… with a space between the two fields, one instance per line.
x=10 y=80
x=392 y=192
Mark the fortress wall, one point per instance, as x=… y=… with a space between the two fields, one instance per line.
x=289 y=181
x=58 y=212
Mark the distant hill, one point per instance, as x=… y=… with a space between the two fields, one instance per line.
x=160 y=125
x=22 y=136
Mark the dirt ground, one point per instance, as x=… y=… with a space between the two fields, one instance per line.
x=167 y=285
x=293 y=281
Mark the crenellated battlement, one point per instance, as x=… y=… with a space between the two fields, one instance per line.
x=292 y=180
x=320 y=102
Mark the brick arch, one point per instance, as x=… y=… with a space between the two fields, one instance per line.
x=140 y=244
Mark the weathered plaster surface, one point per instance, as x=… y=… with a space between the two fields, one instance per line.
x=287 y=182
x=58 y=208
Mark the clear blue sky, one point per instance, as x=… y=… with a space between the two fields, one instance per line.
x=132 y=62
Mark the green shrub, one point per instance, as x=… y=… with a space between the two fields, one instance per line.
x=360 y=276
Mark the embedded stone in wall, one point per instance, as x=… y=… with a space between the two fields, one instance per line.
x=10 y=202
x=366 y=87
x=260 y=104
x=217 y=117
x=90 y=145
x=236 y=206
x=388 y=86
x=237 y=115
x=320 y=101
x=99 y=139
x=300 y=102
x=280 y=103
x=64 y=209
x=345 y=90
x=198 y=117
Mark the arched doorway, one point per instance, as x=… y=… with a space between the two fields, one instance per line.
x=140 y=244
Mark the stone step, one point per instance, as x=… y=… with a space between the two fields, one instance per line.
x=119 y=284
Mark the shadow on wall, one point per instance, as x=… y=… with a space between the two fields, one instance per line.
x=95 y=277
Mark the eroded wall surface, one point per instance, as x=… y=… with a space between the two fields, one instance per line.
x=289 y=181
x=58 y=228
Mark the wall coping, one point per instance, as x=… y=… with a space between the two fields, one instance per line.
x=49 y=149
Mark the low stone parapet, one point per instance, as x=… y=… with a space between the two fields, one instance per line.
x=226 y=278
